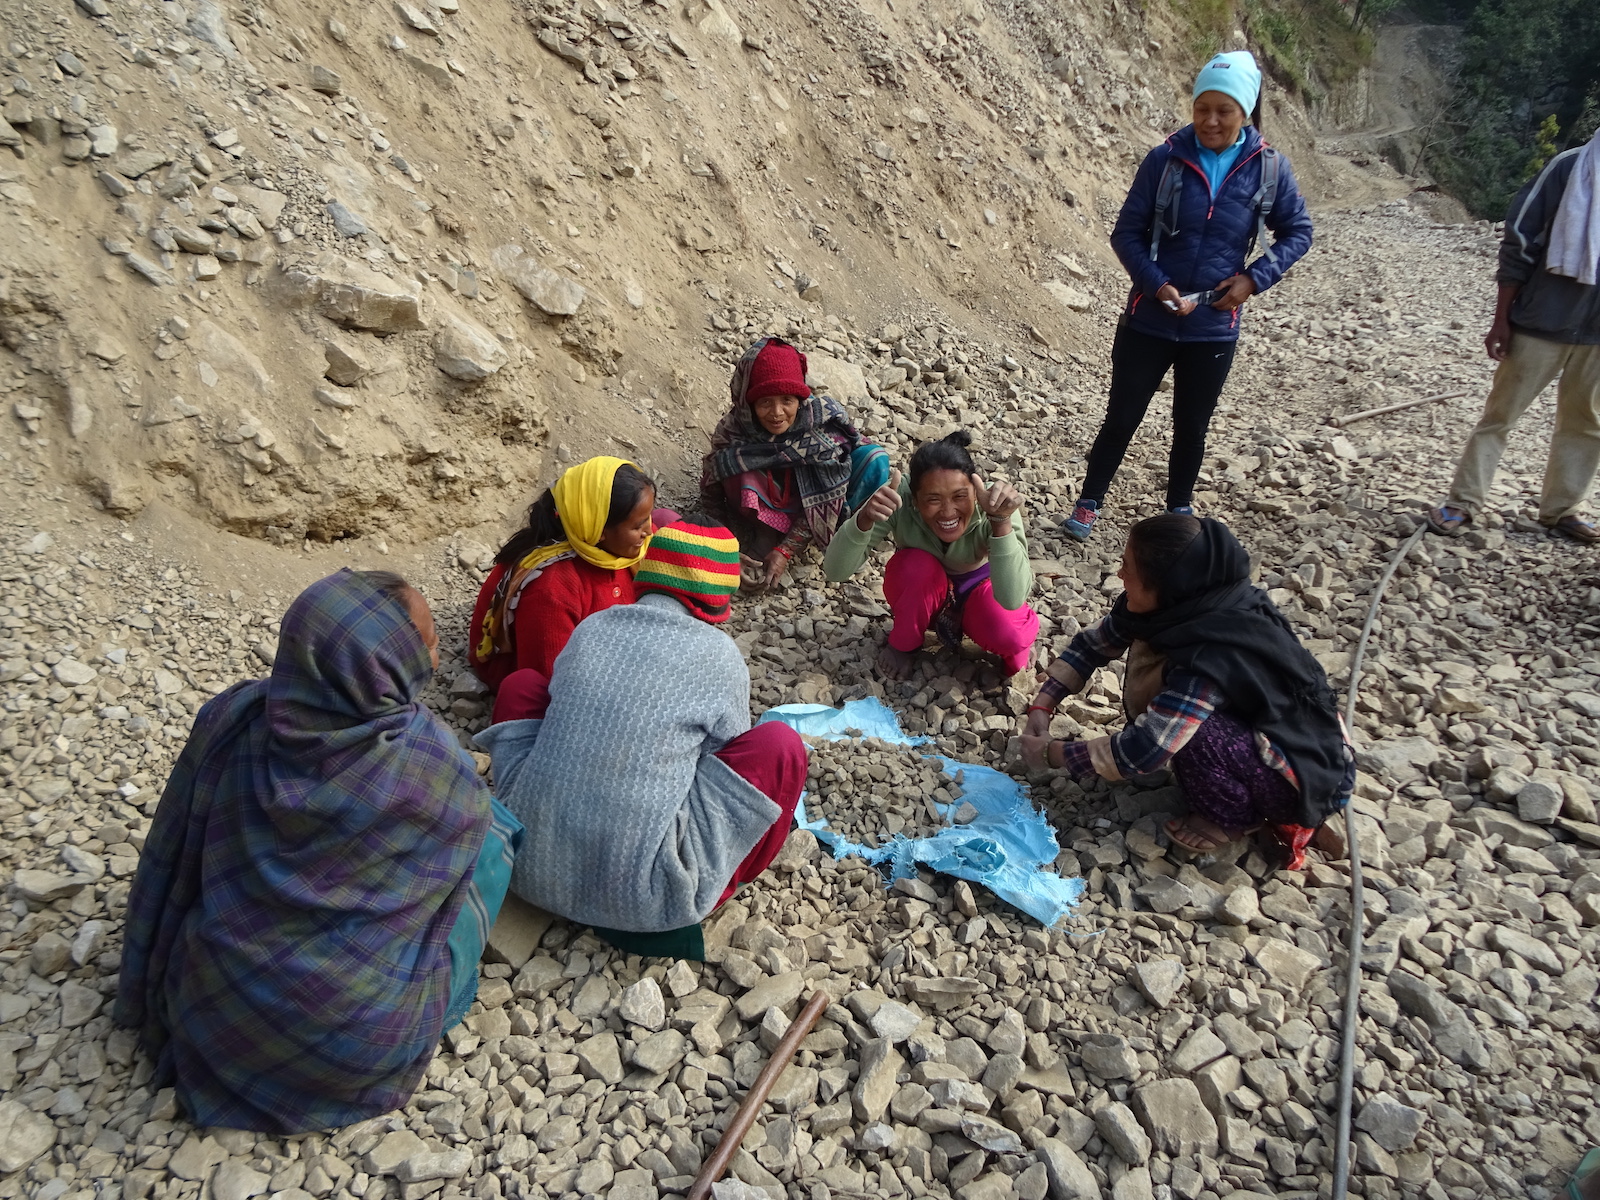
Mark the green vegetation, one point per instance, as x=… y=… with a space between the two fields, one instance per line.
x=1210 y=22
x=1304 y=45
x=1528 y=87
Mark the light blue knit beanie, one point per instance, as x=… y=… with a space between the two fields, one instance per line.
x=1234 y=74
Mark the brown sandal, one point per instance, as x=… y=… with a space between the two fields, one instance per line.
x=1198 y=840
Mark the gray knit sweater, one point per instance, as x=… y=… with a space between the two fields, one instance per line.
x=632 y=822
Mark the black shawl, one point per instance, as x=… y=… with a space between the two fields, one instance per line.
x=1214 y=622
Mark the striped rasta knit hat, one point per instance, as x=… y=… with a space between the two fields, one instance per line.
x=696 y=562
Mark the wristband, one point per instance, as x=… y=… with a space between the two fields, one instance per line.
x=787 y=554
x=1041 y=708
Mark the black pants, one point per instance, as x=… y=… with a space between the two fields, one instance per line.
x=1138 y=362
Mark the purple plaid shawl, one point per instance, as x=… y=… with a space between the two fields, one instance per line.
x=286 y=956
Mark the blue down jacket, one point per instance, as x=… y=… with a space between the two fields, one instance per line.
x=1213 y=233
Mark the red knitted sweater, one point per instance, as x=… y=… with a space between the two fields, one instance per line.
x=548 y=611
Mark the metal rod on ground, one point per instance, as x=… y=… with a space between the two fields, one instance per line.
x=750 y=1109
x=1352 y=985
x=1350 y=419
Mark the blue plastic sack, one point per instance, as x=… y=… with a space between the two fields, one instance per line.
x=1006 y=849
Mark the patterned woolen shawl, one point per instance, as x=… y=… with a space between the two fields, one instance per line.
x=816 y=448
x=286 y=959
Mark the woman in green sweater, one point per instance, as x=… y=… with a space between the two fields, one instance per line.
x=961 y=563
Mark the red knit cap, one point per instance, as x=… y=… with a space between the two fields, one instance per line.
x=779 y=370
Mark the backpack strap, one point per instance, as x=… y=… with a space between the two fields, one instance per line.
x=1166 y=192
x=1265 y=198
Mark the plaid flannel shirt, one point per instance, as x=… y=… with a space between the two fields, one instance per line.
x=1164 y=728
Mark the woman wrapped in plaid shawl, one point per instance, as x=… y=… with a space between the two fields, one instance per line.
x=320 y=878
x=1217 y=686
x=786 y=465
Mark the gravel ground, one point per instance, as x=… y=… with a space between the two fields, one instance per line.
x=1176 y=1037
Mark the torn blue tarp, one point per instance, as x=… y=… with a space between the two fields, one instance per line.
x=1007 y=848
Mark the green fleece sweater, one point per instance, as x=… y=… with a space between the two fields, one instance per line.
x=1009 y=572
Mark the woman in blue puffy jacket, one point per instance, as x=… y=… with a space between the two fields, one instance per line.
x=1201 y=202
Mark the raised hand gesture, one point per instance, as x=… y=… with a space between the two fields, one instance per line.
x=998 y=502
x=881 y=505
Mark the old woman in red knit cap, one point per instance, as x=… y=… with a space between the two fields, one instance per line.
x=786 y=465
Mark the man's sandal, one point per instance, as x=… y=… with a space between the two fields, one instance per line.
x=1575 y=529
x=1448 y=520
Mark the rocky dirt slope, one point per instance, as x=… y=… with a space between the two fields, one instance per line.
x=354 y=282
x=312 y=273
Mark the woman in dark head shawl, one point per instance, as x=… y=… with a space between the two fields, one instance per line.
x=786 y=464
x=312 y=899
x=1217 y=685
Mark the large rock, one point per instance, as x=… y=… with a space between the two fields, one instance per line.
x=230 y=360
x=1070 y=1177
x=196 y=1158
x=1285 y=964
x=944 y=992
x=643 y=1004
x=1454 y=1035
x=713 y=21
x=1393 y=1125
x=237 y=1180
x=600 y=1058
x=1486 y=822
x=210 y=24
x=357 y=297
x=1108 y=1056
x=24 y=1136
x=548 y=291
x=347 y=365
x=1537 y=953
x=1175 y=1117
x=465 y=350
x=45 y=886
x=539 y=977
x=876 y=1086
x=777 y=991
x=1070 y=298
x=1120 y=1130
x=434 y=1164
x=393 y=1150
x=845 y=382
x=1399 y=760
x=1196 y=1050
x=1160 y=980
x=660 y=1052
x=516 y=935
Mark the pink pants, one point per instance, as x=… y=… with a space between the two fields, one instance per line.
x=770 y=757
x=915 y=584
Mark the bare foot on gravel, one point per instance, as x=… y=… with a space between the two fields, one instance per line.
x=894 y=664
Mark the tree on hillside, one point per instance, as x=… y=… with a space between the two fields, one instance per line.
x=1523 y=62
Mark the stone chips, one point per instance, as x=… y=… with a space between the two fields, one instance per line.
x=868 y=790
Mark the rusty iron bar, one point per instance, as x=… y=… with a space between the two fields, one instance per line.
x=750 y=1108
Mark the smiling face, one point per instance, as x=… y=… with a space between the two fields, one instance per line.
x=946 y=499
x=776 y=413
x=1217 y=120
x=1140 y=598
x=626 y=537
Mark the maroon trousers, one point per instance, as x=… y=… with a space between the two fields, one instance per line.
x=770 y=757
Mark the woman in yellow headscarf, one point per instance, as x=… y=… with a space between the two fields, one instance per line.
x=574 y=558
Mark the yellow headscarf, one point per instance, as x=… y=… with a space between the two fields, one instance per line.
x=583 y=501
